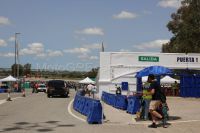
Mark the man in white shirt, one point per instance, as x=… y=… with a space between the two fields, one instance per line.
x=89 y=88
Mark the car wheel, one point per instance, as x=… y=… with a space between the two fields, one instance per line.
x=48 y=95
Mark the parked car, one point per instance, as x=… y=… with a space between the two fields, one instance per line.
x=42 y=88
x=57 y=88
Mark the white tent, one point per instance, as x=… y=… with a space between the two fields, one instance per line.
x=144 y=79
x=9 y=78
x=168 y=79
x=87 y=81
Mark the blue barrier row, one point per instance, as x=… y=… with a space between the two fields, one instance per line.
x=117 y=101
x=131 y=104
x=89 y=107
x=134 y=104
x=2 y=90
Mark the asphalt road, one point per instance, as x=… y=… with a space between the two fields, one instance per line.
x=37 y=113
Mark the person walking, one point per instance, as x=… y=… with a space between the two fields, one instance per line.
x=9 y=91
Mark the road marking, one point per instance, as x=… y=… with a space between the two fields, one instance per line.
x=148 y=123
x=4 y=100
x=70 y=112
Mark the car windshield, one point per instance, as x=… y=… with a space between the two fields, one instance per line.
x=42 y=86
x=56 y=83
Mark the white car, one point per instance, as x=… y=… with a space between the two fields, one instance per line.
x=42 y=88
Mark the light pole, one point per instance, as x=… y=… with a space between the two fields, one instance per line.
x=16 y=56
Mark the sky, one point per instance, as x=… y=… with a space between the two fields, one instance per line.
x=68 y=34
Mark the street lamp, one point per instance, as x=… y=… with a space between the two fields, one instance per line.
x=16 y=56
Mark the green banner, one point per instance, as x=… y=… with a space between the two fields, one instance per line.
x=148 y=58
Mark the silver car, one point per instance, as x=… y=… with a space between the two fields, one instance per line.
x=42 y=88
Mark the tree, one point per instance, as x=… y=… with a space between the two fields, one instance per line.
x=185 y=25
x=14 y=69
x=92 y=73
x=27 y=69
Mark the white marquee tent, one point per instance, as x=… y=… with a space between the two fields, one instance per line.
x=144 y=79
x=9 y=78
x=87 y=81
x=168 y=79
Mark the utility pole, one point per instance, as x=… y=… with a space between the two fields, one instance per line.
x=16 y=56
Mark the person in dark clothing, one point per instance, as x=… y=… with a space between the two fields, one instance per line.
x=118 y=90
x=157 y=99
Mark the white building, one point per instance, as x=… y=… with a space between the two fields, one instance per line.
x=117 y=67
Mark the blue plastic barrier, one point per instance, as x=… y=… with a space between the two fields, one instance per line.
x=95 y=113
x=86 y=109
x=89 y=107
x=121 y=102
x=190 y=86
x=2 y=90
x=133 y=104
x=117 y=101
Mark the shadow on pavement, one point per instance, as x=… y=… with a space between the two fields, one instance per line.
x=47 y=126
x=172 y=118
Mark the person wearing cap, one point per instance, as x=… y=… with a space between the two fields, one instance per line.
x=157 y=99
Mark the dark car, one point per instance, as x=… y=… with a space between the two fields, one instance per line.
x=57 y=88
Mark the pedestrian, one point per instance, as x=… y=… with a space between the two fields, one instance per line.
x=175 y=88
x=23 y=89
x=9 y=91
x=89 y=89
x=157 y=99
x=118 y=90
x=146 y=99
x=94 y=90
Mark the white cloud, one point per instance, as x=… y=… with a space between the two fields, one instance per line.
x=87 y=57
x=91 y=31
x=4 y=21
x=156 y=44
x=9 y=54
x=55 y=53
x=124 y=50
x=3 y=43
x=34 y=48
x=11 y=39
x=92 y=46
x=83 y=52
x=77 y=50
x=38 y=50
x=125 y=15
x=170 y=3
x=93 y=57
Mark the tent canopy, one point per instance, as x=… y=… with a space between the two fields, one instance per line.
x=168 y=79
x=156 y=70
x=87 y=81
x=9 y=78
x=144 y=79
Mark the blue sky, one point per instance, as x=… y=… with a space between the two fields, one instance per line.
x=67 y=34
